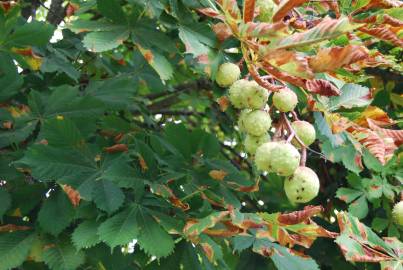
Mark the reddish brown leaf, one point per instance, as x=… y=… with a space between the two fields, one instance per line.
x=330 y=59
x=13 y=228
x=384 y=33
x=283 y=76
x=285 y=7
x=208 y=250
x=222 y=31
x=209 y=12
x=72 y=194
x=300 y=216
x=322 y=87
x=289 y=62
x=380 y=4
x=7 y=5
x=116 y=148
x=7 y=124
x=224 y=103
x=248 y=10
x=372 y=141
x=392 y=21
x=230 y=7
x=261 y=30
x=396 y=135
x=71 y=9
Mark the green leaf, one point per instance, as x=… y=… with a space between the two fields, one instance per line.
x=56 y=213
x=152 y=238
x=10 y=80
x=17 y=135
x=347 y=194
x=379 y=224
x=62 y=133
x=282 y=257
x=359 y=207
x=79 y=26
x=5 y=202
x=120 y=229
x=31 y=34
x=158 y=62
x=352 y=95
x=85 y=235
x=107 y=196
x=116 y=93
x=105 y=41
x=196 y=39
x=112 y=10
x=63 y=256
x=14 y=248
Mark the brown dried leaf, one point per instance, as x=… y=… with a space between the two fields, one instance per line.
x=289 y=62
x=300 y=216
x=222 y=31
x=72 y=194
x=248 y=10
x=330 y=59
x=322 y=87
x=116 y=148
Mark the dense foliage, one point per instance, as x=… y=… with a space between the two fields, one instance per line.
x=121 y=146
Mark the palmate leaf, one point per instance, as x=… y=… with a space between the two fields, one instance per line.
x=328 y=28
x=107 y=196
x=31 y=34
x=360 y=244
x=56 y=213
x=120 y=229
x=158 y=62
x=85 y=235
x=152 y=238
x=14 y=248
x=63 y=256
x=61 y=133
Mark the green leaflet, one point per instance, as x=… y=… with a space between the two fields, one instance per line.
x=14 y=248
x=63 y=256
x=56 y=213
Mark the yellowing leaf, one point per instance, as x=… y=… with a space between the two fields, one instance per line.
x=218 y=174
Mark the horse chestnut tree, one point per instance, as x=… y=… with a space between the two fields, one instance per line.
x=203 y=134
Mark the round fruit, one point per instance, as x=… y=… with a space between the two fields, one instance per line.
x=286 y=159
x=285 y=100
x=235 y=93
x=305 y=131
x=247 y=94
x=227 y=74
x=241 y=119
x=303 y=186
x=264 y=156
x=266 y=10
x=255 y=96
x=255 y=123
x=397 y=213
x=251 y=143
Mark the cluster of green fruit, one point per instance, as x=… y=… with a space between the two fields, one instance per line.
x=274 y=156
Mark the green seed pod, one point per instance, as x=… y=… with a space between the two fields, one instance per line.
x=227 y=74
x=255 y=123
x=286 y=159
x=397 y=213
x=251 y=143
x=303 y=186
x=285 y=100
x=265 y=155
x=305 y=131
